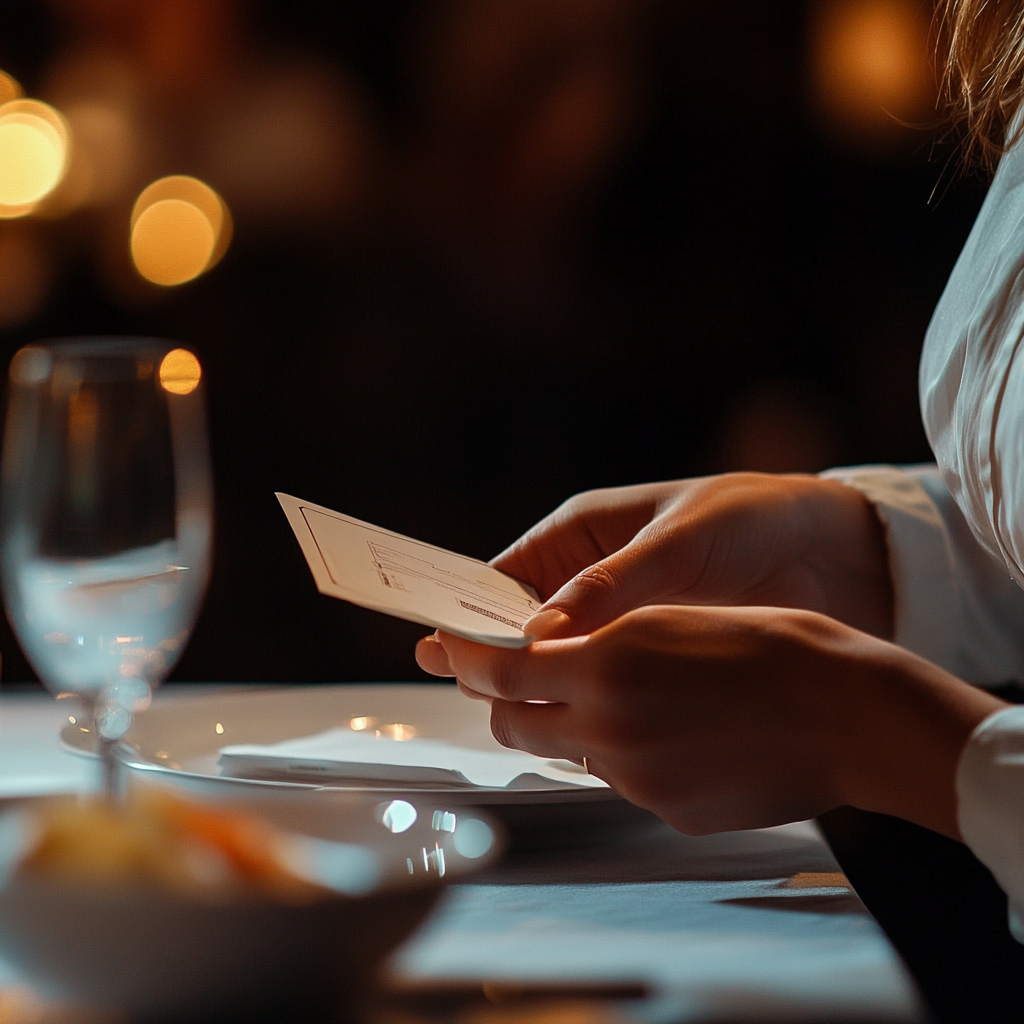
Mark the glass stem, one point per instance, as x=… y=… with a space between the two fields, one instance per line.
x=113 y=771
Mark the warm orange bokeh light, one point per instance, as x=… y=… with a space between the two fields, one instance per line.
x=9 y=88
x=34 y=146
x=180 y=372
x=180 y=228
x=871 y=61
x=172 y=242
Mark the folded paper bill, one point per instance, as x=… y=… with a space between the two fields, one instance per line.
x=342 y=754
x=376 y=568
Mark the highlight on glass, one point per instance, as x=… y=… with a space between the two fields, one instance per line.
x=180 y=372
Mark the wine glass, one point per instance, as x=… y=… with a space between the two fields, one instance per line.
x=106 y=517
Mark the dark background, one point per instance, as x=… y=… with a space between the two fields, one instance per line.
x=560 y=245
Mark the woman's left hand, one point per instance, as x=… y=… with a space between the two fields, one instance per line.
x=731 y=718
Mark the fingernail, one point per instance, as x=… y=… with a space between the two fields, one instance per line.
x=431 y=657
x=546 y=623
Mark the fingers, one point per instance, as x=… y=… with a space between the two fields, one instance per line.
x=472 y=694
x=643 y=572
x=431 y=657
x=543 y=671
x=549 y=624
x=547 y=556
x=547 y=730
x=580 y=532
x=542 y=729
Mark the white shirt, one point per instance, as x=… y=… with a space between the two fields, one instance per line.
x=956 y=531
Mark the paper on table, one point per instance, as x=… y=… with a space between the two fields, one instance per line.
x=342 y=753
x=389 y=573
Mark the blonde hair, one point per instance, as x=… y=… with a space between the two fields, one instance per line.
x=983 y=74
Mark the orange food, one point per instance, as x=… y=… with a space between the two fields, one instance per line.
x=158 y=839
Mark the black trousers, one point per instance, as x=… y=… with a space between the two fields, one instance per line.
x=940 y=907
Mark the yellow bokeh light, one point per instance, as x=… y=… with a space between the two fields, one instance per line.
x=871 y=61
x=30 y=163
x=180 y=372
x=180 y=228
x=9 y=88
x=34 y=145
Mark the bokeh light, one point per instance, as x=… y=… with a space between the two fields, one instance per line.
x=9 y=88
x=172 y=242
x=870 y=62
x=34 y=149
x=180 y=228
x=180 y=372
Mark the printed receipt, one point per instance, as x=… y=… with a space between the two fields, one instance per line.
x=378 y=569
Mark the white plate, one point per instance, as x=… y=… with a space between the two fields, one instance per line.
x=180 y=740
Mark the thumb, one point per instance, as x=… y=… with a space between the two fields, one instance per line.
x=635 y=575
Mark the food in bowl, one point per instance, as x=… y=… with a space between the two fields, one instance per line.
x=158 y=839
x=170 y=909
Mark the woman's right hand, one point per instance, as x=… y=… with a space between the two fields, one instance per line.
x=739 y=539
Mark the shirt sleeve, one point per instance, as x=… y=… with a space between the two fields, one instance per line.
x=972 y=402
x=955 y=604
x=990 y=795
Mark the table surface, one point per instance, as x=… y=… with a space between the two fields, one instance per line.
x=733 y=926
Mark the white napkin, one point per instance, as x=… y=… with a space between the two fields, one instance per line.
x=342 y=753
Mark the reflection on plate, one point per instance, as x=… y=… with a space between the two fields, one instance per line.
x=179 y=740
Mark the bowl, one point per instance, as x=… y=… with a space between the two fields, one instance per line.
x=158 y=956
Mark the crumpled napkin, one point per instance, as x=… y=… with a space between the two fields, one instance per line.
x=344 y=754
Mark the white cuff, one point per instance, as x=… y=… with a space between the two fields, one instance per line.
x=990 y=795
x=954 y=604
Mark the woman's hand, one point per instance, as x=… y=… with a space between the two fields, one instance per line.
x=722 y=718
x=737 y=539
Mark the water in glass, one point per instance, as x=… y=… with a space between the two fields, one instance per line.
x=106 y=516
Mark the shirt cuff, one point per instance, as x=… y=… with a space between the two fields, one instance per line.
x=953 y=603
x=990 y=795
